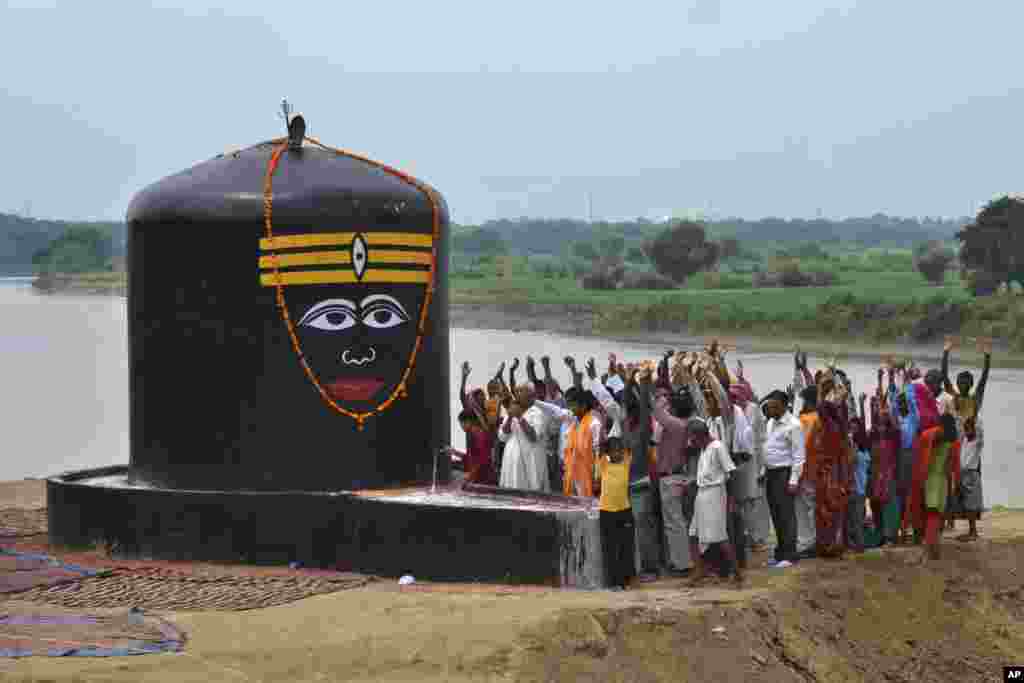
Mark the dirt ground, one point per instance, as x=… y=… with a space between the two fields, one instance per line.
x=881 y=616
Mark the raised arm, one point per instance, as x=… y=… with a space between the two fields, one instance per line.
x=463 y=397
x=979 y=393
x=500 y=377
x=610 y=405
x=512 y=373
x=946 y=384
x=663 y=381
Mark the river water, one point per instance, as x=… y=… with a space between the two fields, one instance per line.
x=64 y=368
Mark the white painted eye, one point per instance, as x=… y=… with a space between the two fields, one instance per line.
x=332 y=315
x=383 y=315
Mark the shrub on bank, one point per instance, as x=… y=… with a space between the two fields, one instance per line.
x=790 y=275
x=653 y=281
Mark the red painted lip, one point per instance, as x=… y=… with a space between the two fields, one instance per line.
x=361 y=389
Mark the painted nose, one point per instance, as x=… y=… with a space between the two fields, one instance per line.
x=359 y=355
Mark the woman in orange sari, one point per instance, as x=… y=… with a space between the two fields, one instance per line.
x=936 y=475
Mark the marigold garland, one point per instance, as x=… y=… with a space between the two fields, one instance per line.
x=400 y=391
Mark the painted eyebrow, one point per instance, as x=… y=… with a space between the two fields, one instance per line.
x=384 y=298
x=328 y=303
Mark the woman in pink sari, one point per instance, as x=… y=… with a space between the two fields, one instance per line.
x=884 y=438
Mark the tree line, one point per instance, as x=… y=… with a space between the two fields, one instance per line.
x=30 y=245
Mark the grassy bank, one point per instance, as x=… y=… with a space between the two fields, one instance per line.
x=863 y=308
x=102 y=283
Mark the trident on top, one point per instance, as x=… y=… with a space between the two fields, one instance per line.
x=296 y=126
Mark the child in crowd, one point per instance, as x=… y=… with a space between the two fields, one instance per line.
x=617 y=539
x=476 y=459
x=861 y=472
x=971 y=501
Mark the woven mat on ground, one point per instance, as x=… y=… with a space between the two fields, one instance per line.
x=22 y=571
x=18 y=523
x=61 y=634
x=166 y=589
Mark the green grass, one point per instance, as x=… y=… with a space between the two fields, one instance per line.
x=899 y=287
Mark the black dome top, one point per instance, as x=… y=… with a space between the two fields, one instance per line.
x=311 y=182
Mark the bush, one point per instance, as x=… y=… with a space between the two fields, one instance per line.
x=789 y=274
x=647 y=281
x=932 y=259
x=726 y=281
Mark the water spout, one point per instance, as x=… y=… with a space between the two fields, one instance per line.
x=433 y=487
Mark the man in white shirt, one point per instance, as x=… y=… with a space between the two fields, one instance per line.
x=524 y=463
x=710 y=525
x=784 y=454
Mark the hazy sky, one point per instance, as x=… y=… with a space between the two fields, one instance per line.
x=514 y=109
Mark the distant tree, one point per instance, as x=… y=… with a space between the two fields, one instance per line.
x=80 y=249
x=612 y=245
x=682 y=250
x=586 y=251
x=933 y=259
x=635 y=255
x=994 y=243
x=729 y=248
x=480 y=241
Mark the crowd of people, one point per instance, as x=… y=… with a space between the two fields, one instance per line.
x=694 y=469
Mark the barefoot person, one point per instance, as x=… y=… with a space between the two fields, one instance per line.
x=710 y=522
x=616 y=518
x=936 y=473
x=964 y=405
x=971 y=500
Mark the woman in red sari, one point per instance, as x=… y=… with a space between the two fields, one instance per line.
x=936 y=475
x=834 y=475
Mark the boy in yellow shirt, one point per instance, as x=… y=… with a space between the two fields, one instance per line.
x=617 y=540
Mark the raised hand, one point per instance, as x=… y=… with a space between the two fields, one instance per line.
x=515 y=365
x=591 y=369
x=501 y=369
x=949 y=344
x=545 y=361
x=985 y=345
x=669 y=353
x=465 y=370
x=739 y=368
x=570 y=363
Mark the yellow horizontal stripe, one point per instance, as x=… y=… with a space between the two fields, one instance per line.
x=325 y=239
x=422 y=258
x=313 y=258
x=316 y=258
x=331 y=277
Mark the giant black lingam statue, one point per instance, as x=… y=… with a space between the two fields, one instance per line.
x=288 y=332
x=288 y=323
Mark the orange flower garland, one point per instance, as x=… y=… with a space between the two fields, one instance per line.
x=400 y=391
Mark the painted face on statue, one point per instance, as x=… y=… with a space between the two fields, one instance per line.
x=357 y=346
x=353 y=302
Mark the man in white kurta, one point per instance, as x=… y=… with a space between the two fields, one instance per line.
x=710 y=521
x=524 y=462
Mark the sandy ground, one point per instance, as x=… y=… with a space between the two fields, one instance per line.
x=881 y=616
